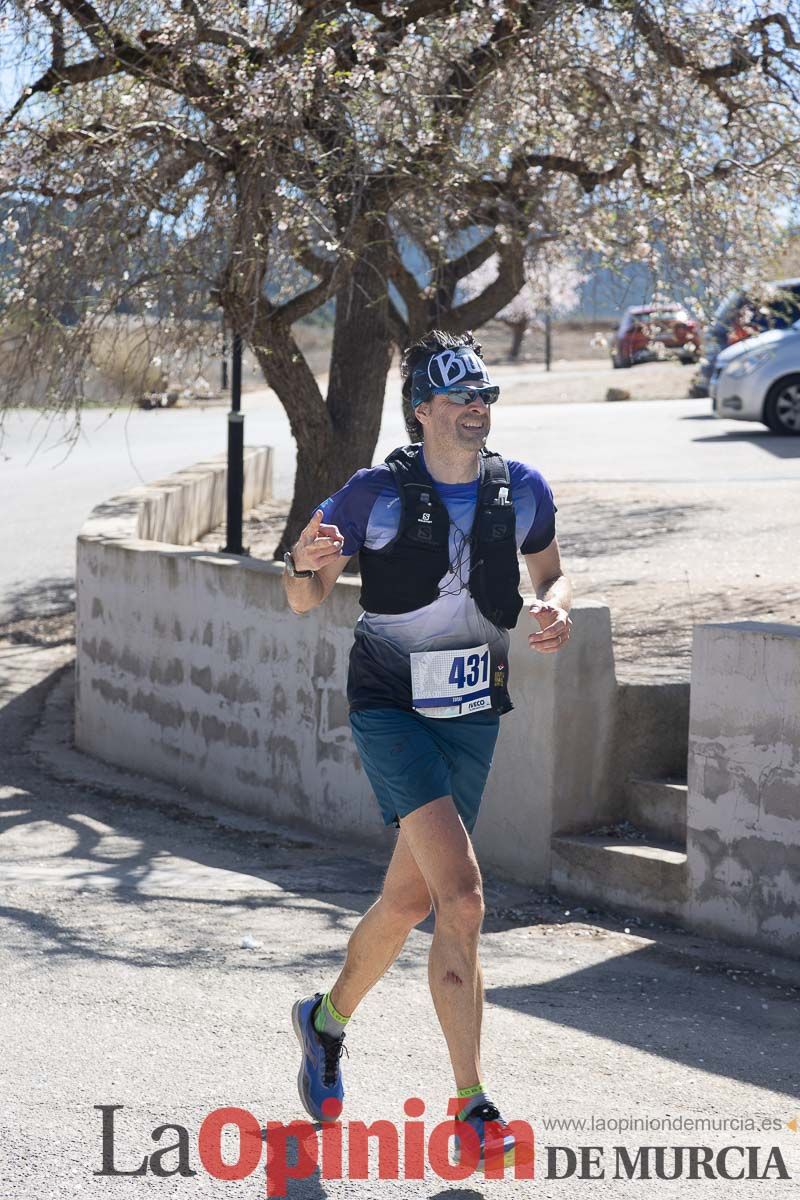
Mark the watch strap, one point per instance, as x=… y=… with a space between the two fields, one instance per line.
x=289 y=562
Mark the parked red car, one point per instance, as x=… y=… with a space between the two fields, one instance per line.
x=648 y=331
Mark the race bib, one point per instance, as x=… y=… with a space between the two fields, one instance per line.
x=451 y=683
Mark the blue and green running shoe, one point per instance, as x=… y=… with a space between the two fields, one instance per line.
x=492 y=1130
x=319 y=1077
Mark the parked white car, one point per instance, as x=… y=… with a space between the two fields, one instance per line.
x=759 y=380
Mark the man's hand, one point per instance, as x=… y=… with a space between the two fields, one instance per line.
x=554 y=627
x=317 y=545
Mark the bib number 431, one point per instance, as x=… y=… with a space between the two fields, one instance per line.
x=469 y=670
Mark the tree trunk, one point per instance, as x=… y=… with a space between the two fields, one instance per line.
x=517 y=334
x=337 y=436
x=548 y=335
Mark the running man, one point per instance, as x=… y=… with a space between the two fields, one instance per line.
x=438 y=528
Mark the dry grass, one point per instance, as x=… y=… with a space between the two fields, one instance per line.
x=571 y=339
x=130 y=358
x=127 y=362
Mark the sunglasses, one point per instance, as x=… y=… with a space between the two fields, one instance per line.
x=466 y=395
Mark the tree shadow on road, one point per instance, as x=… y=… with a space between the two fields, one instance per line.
x=84 y=841
x=701 y=1012
x=605 y=527
x=144 y=852
x=36 y=604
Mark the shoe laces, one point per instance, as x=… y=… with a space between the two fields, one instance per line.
x=485 y=1112
x=333 y=1048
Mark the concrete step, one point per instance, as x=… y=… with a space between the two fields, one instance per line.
x=639 y=877
x=658 y=806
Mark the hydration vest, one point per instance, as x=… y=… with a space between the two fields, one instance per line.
x=404 y=575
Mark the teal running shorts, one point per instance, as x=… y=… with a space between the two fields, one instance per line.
x=410 y=759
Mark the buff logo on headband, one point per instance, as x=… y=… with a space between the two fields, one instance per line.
x=447 y=368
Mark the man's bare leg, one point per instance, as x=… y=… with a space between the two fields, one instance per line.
x=379 y=936
x=443 y=852
x=479 y=1008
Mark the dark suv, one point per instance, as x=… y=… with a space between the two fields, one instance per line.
x=743 y=315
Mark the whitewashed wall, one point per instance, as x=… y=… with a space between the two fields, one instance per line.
x=744 y=784
x=192 y=668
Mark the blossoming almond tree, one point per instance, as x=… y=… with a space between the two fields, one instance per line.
x=163 y=157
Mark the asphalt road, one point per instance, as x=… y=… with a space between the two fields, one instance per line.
x=50 y=480
x=151 y=948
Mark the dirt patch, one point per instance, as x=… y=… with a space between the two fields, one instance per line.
x=262 y=530
x=580 y=381
x=664 y=558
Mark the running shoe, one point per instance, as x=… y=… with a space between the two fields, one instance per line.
x=480 y=1117
x=319 y=1077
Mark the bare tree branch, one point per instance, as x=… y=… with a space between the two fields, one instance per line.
x=468 y=262
x=407 y=286
x=55 y=17
x=497 y=295
x=740 y=62
x=300 y=306
x=588 y=177
x=104 y=136
x=56 y=77
x=92 y=24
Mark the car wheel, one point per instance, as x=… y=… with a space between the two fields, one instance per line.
x=782 y=406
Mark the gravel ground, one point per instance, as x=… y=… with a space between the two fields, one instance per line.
x=664 y=558
x=579 y=381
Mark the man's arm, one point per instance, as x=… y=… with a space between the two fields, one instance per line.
x=318 y=549
x=553 y=599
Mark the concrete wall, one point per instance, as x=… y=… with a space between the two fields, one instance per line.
x=651 y=734
x=192 y=668
x=744 y=784
x=180 y=509
x=552 y=763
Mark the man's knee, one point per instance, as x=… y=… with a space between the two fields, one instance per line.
x=407 y=911
x=461 y=907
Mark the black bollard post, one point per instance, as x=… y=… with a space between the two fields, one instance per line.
x=233 y=544
x=224 y=364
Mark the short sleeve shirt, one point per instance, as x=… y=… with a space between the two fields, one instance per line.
x=367 y=513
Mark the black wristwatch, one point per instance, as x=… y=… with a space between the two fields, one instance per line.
x=291 y=569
